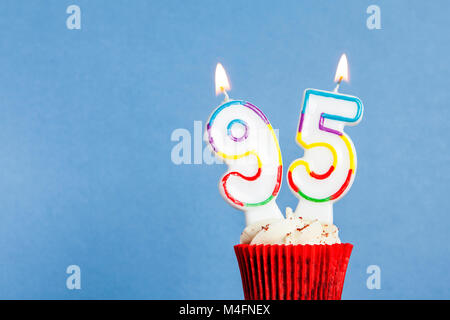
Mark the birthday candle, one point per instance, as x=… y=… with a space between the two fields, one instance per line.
x=241 y=134
x=328 y=167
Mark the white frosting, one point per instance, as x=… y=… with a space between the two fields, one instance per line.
x=292 y=230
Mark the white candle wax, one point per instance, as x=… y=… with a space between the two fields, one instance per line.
x=327 y=169
x=241 y=134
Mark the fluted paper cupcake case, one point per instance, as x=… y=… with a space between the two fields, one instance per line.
x=293 y=272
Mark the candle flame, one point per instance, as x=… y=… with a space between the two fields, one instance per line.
x=222 y=83
x=342 y=70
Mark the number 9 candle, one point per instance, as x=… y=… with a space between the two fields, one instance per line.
x=241 y=134
x=328 y=167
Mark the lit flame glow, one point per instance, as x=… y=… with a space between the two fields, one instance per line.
x=222 y=83
x=342 y=70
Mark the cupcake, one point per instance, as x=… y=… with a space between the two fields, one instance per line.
x=292 y=259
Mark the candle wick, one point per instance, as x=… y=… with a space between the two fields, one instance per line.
x=227 y=98
x=338 y=84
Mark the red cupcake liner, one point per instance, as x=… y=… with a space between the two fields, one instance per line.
x=293 y=272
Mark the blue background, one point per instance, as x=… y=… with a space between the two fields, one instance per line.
x=86 y=117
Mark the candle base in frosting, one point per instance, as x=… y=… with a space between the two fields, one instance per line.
x=268 y=211
x=311 y=210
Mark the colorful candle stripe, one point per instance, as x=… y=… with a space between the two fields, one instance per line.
x=322 y=127
x=246 y=154
x=230 y=133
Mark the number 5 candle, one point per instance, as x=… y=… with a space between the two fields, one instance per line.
x=241 y=134
x=328 y=167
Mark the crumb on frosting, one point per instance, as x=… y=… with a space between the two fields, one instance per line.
x=301 y=229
